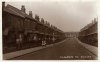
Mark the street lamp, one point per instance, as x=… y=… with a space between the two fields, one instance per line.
x=53 y=38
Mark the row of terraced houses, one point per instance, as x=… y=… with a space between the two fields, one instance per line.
x=16 y=23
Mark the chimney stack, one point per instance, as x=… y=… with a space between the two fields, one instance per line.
x=37 y=17
x=30 y=13
x=3 y=5
x=42 y=20
x=23 y=9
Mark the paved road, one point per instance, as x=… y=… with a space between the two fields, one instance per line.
x=70 y=49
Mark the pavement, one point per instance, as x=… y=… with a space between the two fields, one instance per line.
x=25 y=51
x=69 y=49
x=91 y=48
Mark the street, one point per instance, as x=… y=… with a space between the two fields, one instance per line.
x=68 y=50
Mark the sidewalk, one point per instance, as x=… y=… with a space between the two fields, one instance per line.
x=91 y=48
x=26 y=51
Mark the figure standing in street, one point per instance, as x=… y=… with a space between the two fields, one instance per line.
x=44 y=43
x=19 y=41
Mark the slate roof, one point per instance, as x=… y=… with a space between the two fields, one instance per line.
x=16 y=11
x=13 y=10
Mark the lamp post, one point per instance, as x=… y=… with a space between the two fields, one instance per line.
x=53 y=38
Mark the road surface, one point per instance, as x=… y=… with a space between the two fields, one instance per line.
x=68 y=50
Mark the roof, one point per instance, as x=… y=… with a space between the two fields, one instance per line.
x=16 y=11
x=13 y=10
x=88 y=26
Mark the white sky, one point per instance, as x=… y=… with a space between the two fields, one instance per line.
x=67 y=16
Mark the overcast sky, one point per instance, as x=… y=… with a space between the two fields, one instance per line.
x=67 y=16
